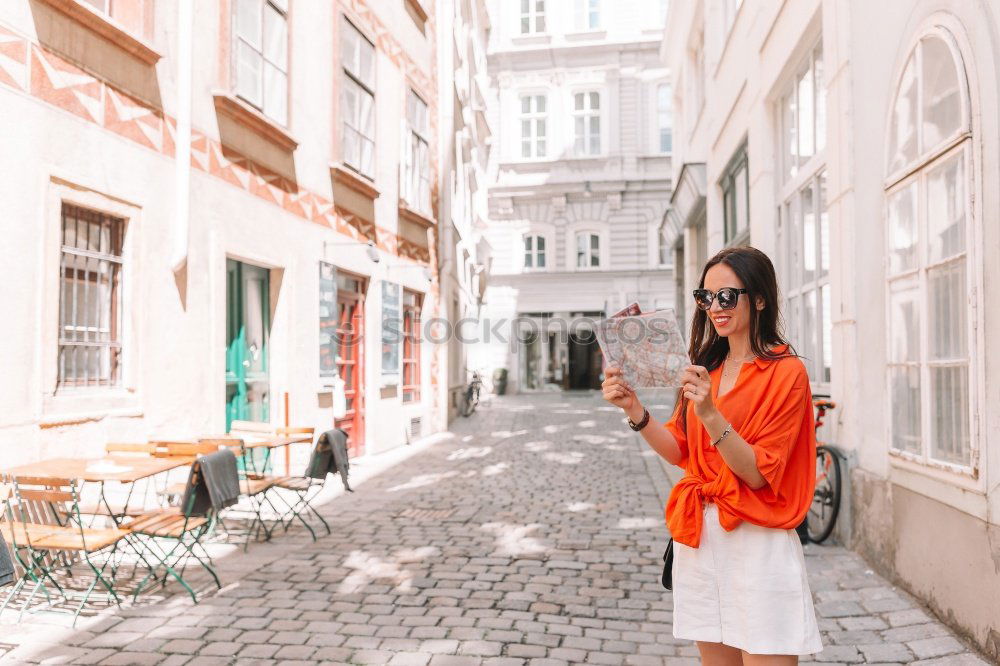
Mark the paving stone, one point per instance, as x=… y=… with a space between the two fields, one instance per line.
x=527 y=650
x=533 y=567
x=838 y=653
x=411 y=659
x=134 y=659
x=886 y=652
x=260 y=651
x=221 y=649
x=296 y=652
x=929 y=648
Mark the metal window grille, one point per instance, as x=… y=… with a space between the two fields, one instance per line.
x=90 y=298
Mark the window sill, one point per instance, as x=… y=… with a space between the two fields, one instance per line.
x=107 y=28
x=586 y=35
x=961 y=490
x=83 y=405
x=532 y=39
x=254 y=120
x=352 y=179
x=407 y=213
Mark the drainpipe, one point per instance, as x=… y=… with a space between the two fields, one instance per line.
x=182 y=138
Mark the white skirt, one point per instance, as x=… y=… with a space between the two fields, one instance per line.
x=746 y=588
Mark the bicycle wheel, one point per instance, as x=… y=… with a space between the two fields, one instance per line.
x=467 y=405
x=826 y=499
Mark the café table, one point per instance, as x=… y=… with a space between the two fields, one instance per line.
x=120 y=469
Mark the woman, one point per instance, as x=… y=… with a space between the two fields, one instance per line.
x=743 y=432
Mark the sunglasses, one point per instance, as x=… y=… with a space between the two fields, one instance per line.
x=728 y=297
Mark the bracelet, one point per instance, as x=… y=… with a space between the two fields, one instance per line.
x=725 y=433
x=642 y=422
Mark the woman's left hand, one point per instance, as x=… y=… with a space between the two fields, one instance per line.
x=697 y=387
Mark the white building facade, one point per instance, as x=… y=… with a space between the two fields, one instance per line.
x=856 y=144
x=466 y=155
x=213 y=209
x=583 y=138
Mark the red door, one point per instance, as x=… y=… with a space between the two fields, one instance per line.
x=351 y=358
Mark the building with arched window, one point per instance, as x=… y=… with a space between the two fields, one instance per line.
x=856 y=143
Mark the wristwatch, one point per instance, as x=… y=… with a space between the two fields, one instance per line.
x=642 y=422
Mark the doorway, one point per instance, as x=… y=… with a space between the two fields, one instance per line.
x=584 y=361
x=248 y=328
x=351 y=357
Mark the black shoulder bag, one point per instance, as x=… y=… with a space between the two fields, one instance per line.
x=667 y=578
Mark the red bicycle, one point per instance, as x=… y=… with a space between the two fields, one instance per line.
x=825 y=505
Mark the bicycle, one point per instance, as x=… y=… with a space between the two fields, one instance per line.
x=471 y=397
x=825 y=507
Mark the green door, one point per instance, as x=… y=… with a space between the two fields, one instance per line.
x=248 y=324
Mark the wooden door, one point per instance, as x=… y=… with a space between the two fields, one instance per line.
x=351 y=357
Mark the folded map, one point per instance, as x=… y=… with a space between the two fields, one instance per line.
x=649 y=348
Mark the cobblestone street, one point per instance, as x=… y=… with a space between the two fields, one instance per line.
x=530 y=535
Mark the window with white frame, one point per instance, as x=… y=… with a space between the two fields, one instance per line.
x=417 y=166
x=587 y=123
x=532 y=16
x=736 y=199
x=804 y=237
x=90 y=298
x=357 y=100
x=534 y=251
x=588 y=14
x=664 y=119
x=533 y=129
x=260 y=55
x=929 y=225
x=803 y=116
x=803 y=232
x=664 y=244
x=588 y=249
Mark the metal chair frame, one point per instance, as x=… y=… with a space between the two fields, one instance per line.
x=186 y=540
x=39 y=559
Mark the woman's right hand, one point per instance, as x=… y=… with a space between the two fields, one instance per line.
x=618 y=392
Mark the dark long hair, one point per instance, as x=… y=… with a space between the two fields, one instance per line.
x=756 y=272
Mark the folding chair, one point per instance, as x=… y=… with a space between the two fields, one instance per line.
x=169 y=449
x=306 y=488
x=253 y=485
x=43 y=526
x=184 y=526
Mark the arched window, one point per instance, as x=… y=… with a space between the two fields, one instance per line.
x=929 y=224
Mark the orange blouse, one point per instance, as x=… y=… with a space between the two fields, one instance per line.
x=770 y=406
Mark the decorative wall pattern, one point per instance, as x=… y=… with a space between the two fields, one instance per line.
x=55 y=81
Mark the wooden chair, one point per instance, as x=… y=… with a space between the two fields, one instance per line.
x=33 y=539
x=182 y=526
x=253 y=485
x=172 y=449
x=305 y=489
